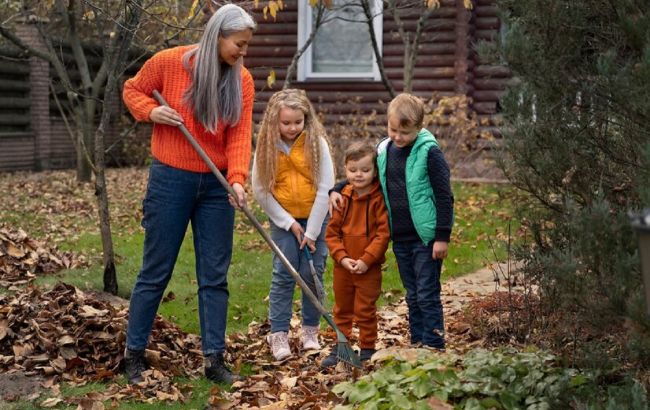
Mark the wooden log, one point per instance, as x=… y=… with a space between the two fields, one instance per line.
x=275 y=29
x=436 y=60
x=484 y=23
x=15 y=68
x=13 y=85
x=490 y=34
x=485 y=107
x=424 y=49
x=494 y=71
x=255 y=61
x=271 y=40
x=487 y=11
x=5 y=135
x=424 y=72
x=14 y=119
x=490 y=83
x=487 y=95
x=14 y=102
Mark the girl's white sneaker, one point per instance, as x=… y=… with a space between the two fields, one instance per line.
x=279 y=342
x=310 y=338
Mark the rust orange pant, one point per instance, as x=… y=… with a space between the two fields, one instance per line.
x=355 y=298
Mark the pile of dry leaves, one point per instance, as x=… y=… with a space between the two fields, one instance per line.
x=65 y=335
x=22 y=258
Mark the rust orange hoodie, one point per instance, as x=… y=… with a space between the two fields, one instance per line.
x=360 y=229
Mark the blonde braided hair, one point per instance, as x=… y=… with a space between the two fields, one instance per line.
x=269 y=136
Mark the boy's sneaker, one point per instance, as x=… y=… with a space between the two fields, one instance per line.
x=310 y=338
x=331 y=360
x=134 y=365
x=366 y=354
x=216 y=370
x=279 y=342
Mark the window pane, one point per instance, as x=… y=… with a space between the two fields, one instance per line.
x=343 y=44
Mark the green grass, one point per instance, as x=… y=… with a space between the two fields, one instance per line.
x=482 y=212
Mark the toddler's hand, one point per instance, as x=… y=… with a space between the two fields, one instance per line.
x=360 y=267
x=335 y=202
x=349 y=264
x=439 y=250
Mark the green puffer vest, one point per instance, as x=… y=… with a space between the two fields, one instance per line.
x=422 y=202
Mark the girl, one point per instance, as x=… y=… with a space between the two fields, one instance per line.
x=292 y=174
x=209 y=91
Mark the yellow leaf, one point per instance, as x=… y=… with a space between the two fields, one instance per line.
x=257 y=3
x=270 y=80
x=468 y=4
x=195 y=3
x=266 y=9
x=432 y=3
x=273 y=8
x=313 y=3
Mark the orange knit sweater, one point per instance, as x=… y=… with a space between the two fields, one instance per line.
x=229 y=148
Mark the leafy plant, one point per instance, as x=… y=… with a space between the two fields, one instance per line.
x=485 y=380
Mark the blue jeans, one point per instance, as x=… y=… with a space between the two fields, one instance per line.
x=420 y=275
x=174 y=198
x=283 y=284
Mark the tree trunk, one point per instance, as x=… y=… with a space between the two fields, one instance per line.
x=101 y=191
x=117 y=54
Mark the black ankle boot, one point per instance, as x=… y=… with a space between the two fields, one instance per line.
x=216 y=370
x=366 y=354
x=331 y=360
x=134 y=365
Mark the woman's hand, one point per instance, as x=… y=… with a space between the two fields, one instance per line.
x=335 y=202
x=165 y=115
x=240 y=192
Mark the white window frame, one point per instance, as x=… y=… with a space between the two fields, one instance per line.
x=305 y=72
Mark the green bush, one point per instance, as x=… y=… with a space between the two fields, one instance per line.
x=483 y=379
x=577 y=124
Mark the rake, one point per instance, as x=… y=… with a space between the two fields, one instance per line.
x=320 y=292
x=344 y=351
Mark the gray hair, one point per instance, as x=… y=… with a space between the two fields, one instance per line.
x=215 y=93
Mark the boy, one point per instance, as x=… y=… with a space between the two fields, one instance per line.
x=357 y=237
x=415 y=180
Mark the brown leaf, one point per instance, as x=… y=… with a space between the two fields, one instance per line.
x=437 y=404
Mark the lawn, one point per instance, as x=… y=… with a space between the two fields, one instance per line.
x=53 y=208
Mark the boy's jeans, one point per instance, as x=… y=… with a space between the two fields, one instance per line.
x=421 y=277
x=175 y=197
x=283 y=284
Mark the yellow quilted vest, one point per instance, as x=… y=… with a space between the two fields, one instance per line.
x=294 y=188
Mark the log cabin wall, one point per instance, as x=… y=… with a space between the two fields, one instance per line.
x=16 y=135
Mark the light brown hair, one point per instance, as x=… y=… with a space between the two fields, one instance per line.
x=407 y=109
x=358 y=150
x=269 y=136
